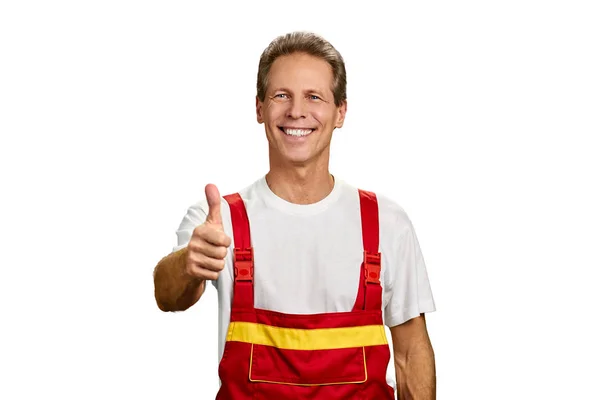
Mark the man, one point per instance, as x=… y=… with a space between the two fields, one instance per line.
x=306 y=266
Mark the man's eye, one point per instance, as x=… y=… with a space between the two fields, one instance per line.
x=280 y=95
x=314 y=97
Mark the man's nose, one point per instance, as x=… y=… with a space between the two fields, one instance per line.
x=297 y=108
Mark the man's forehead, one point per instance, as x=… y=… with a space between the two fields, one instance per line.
x=304 y=77
x=301 y=65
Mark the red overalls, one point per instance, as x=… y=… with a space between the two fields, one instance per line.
x=274 y=356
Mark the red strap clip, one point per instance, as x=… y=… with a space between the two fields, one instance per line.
x=243 y=264
x=372 y=264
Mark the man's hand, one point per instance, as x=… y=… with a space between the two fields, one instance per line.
x=207 y=248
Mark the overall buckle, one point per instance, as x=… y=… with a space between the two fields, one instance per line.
x=243 y=264
x=372 y=262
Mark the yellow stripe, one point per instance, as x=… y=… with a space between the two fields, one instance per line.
x=307 y=339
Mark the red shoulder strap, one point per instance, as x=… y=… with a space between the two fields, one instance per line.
x=369 y=289
x=243 y=256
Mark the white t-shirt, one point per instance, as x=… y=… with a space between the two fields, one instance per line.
x=307 y=258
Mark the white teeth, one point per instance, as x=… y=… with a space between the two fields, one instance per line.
x=297 y=132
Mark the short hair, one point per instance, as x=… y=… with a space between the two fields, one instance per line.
x=308 y=43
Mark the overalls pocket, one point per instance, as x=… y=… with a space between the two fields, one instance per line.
x=270 y=364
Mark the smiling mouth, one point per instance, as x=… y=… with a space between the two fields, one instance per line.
x=297 y=132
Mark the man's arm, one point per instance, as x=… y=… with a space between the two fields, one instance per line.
x=414 y=360
x=174 y=289
x=180 y=278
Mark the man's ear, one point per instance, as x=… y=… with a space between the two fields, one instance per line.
x=259 y=111
x=341 y=114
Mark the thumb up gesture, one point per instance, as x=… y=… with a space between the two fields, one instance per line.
x=207 y=248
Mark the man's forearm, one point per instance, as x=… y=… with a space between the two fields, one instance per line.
x=415 y=373
x=173 y=289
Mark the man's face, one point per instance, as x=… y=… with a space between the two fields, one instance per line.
x=299 y=112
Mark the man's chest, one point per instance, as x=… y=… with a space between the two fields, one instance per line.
x=307 y=269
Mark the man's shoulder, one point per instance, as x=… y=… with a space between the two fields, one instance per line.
x=392 y=215
x=388 y=205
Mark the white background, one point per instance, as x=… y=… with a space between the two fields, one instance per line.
x=480 y=119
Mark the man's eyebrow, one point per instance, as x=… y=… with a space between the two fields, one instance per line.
x=315 y=91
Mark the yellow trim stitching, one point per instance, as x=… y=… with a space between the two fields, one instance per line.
x=306 y=384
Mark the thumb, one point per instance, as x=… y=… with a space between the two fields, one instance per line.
x=214 y=205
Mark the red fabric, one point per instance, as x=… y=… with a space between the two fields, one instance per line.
x=307 y=367
x=241 y=225
x=309 y=321
x=236 y=385
x=369 y=214
x=243 y=260
x=291 y=372
x=369 y=288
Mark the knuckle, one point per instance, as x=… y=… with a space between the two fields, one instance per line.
x=215 y=265
x=192 y=247
x=197 y=231
x=199 y=248
x=197 y=260
x=189 y=268
x=224 y=239
x=191 y=256
x=210 y=275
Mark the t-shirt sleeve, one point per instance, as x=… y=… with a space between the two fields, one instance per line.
x=407 y=291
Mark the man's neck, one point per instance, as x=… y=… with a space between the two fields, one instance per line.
x=300 y=185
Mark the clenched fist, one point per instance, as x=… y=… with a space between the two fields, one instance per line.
x=207 y=248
